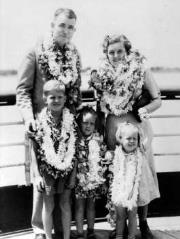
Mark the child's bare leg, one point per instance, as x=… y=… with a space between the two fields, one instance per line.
x=79 y=214
x=121 y=213
x=90 y=213
x=65 y=206
x=90 y=218
x=132 y=223
x=48 y=206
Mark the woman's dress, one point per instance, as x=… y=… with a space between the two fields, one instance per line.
x=118 y=90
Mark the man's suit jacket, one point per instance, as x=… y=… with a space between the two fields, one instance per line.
x=29 y=96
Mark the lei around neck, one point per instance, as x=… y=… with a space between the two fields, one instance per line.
x=90 y=172
x=60 y=64
x=127 y=170
x=118 y=88
x=62 y=158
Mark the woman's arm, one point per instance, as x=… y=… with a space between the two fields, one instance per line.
x=154 y=91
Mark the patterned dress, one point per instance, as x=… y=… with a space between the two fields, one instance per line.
x=90 y=168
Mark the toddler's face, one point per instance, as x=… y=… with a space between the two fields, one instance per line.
x=55 y=100
x=129 y=140
x=88 y=124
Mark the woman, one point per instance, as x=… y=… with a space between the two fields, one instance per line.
x=120 y=83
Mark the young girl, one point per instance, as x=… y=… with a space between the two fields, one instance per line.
x=90 y=180
x=132 y=181
x=54 y=143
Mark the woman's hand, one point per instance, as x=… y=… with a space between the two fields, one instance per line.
x=143 y=113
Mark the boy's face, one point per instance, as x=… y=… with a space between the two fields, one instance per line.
x=55 y=100
x=88 y=124
x=63 y=29
x=129 y=140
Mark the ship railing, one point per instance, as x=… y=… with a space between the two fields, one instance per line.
x=24 y=163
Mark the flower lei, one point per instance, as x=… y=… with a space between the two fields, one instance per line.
x=62 y=158
x=126 y=177
x=64 y=67
x=90 y=175
x=118 y=88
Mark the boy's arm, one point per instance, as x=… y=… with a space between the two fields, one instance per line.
x=38 y=180
x=72 y=177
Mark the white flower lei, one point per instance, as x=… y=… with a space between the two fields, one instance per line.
x=120 y=86
x=94 y=176
x=62 y=160
x=126 y=176
x=53 y=59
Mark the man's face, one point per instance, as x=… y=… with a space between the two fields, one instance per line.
x=63 y=29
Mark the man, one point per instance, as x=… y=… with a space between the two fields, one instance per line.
x=52 y=58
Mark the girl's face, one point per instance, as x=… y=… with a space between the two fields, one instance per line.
x=55 y=100
x=129 y=140
x=116 y=53
x=88 y=124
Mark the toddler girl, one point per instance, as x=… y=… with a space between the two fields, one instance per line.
x=90 y=179
x=132 y=181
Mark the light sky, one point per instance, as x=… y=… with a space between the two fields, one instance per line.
x=152 y=26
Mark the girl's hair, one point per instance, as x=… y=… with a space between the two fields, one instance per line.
x=69 y=13
x=53 y=85
x=85 y=110
x=122 y=127
x=108 y=40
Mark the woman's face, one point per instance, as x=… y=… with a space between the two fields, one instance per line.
x=116 y=53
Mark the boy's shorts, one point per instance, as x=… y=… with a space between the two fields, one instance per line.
x=52 y=185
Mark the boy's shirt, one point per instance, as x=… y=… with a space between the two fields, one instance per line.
x=55 y=138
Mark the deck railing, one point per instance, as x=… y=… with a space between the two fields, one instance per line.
x=88 y=97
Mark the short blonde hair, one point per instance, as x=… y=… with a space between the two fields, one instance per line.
x=53 y=85
x=123 y=127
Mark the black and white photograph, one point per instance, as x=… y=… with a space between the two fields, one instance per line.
x=89 y=119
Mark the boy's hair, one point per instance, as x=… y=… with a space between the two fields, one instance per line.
x=53 y=85
x=85 y=110
x=122 y=127
x=69 y=13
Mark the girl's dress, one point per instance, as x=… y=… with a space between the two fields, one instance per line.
x=132 y=180
x=90 y=170
x=55 y=150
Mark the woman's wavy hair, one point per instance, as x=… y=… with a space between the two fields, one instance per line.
x=108 y=40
